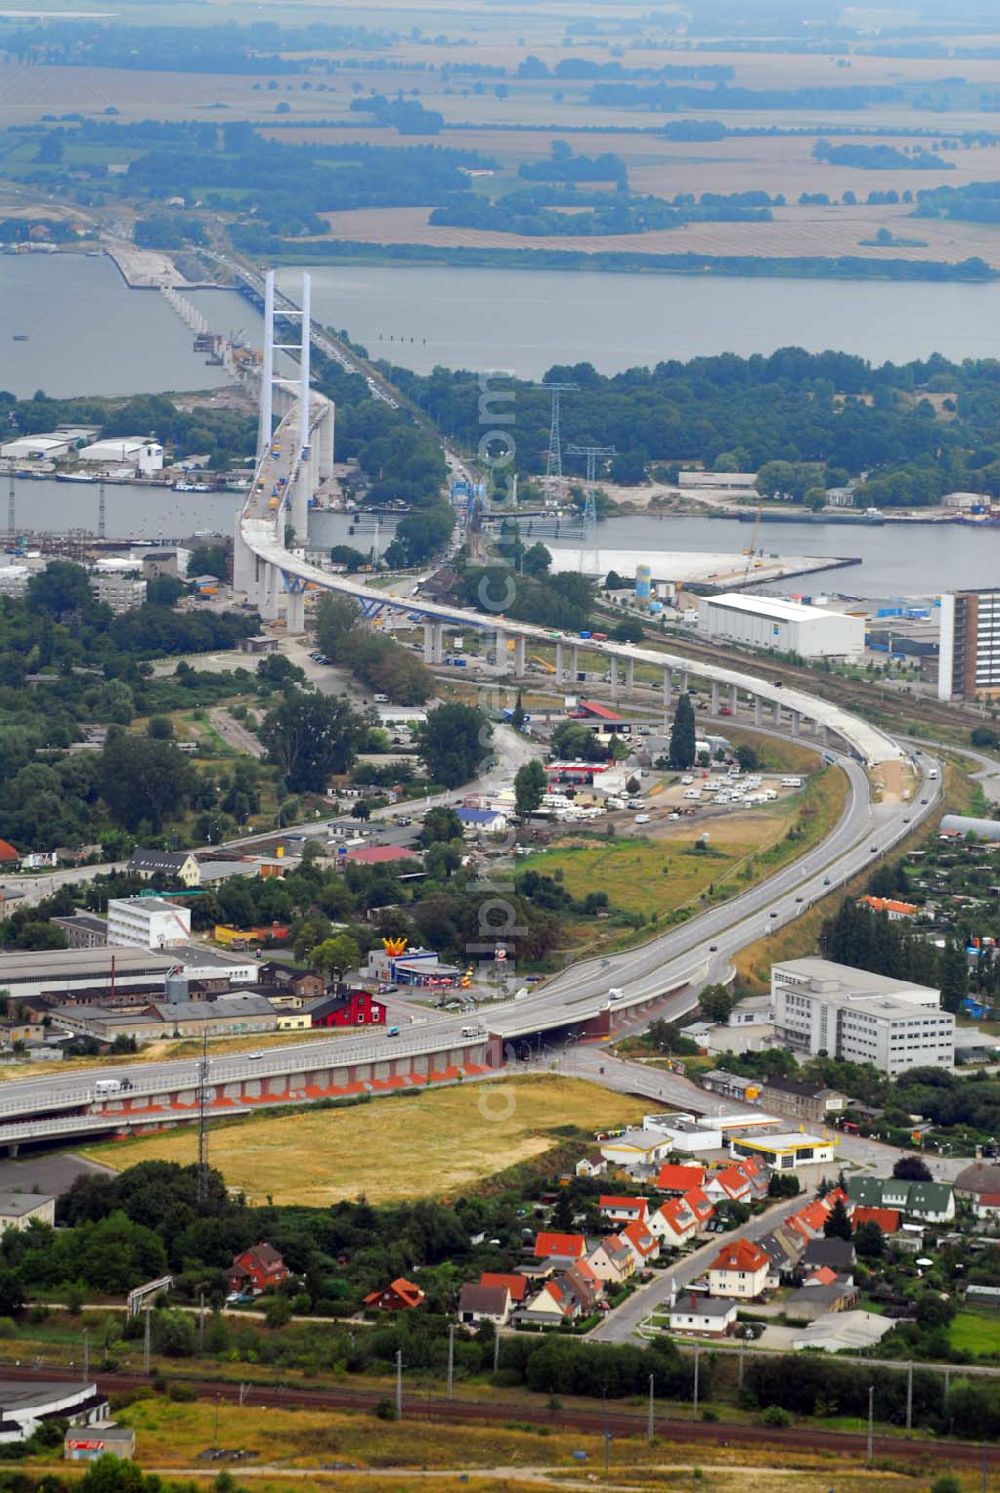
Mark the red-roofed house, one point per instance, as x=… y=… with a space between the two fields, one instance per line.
x=555 y=1302
x=739 y=1269
x=678 y=1179
x=623 y=1209
x=673 y=1223
x=401 y=1296
x=985 y=1204
x=517 y=1285
x=586 y=1285
x=10 y=858
x=560 y=1247
x=809 y=1221
x=886 y=1218
x=643 y=1244
x=257 y=1269
x=613 y=1260
x=701 y=1205
x=895 y=911
x=824 y=1276
x=730 y=1184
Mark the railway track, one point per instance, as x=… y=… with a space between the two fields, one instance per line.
x=618 y=1422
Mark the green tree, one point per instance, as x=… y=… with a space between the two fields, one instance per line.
x=160 y=728
x=536 y=561
x=335 y=956
x=440 y=823
x=572 y=742
x=311 y=737
x=837 y=1224
x=517 y=715
x=869 y=1241
x=953 y=975
x=716 y=1002
x=61 y=590
x=454 y=744
x=143 y=781
x=530 y=785
x=912 y=1169
x=682 y=736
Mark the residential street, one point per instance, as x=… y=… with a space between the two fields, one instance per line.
x=619 y=1326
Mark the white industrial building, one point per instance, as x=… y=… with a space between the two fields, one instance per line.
x=861 y=1017
x=783 y=626
x=36 y=447
x=132 y=451
x=147 y=922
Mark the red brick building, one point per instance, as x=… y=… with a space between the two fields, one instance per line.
x=260 y=1268
x=401 y=1296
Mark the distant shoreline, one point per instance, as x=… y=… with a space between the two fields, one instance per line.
x=966 y=272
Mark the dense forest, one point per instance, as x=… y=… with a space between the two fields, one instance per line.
x=919 y=429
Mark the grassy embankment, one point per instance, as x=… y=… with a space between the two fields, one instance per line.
x=318 y=1156
x=667 y=879
x=800 y=937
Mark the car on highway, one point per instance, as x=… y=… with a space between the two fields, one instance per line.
x=873 y=850
x=774 y=914
x=393 y=1031
x=826 y=881
x=713 y=948
x=800 y=899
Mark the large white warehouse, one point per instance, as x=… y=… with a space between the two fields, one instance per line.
x=784 y=626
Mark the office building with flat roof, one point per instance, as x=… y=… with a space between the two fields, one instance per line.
x=861 y=1017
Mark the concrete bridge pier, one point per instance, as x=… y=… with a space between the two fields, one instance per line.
x=268 y=593
x=520 y=657
x=715 y=697
x=559 y=663
x=433 y=643
x=684 y=681
x=758 y=710
x=324 y=443
x=500 y=649
x=734 y=697
x=668 y=684
x=298 y=511
x=295 y=611
x=796 y=722
x=614 y=678
x=574 y=662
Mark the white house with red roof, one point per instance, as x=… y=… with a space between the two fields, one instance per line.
x=560 y=1248
x=677 y=1178
x=623 y=1209
x=729 y=1185
x=643 y=1244
x=740 y=1269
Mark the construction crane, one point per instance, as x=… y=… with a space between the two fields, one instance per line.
x=751 y=548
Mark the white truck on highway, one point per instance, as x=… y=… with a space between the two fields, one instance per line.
x=105 y=1087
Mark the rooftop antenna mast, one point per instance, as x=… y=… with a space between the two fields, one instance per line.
x=102 y=513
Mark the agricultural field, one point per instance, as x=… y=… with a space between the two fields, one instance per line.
x=433 y=1145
